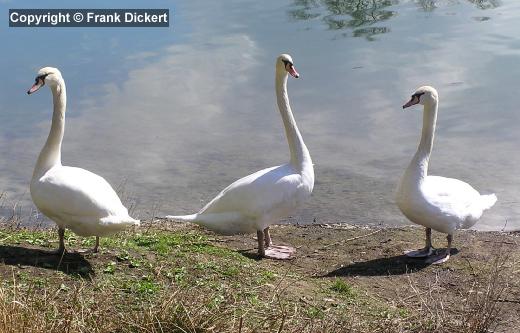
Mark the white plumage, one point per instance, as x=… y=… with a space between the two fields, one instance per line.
x=73 y=198
x=256 y=201
x=438 y=203
x=81 y=201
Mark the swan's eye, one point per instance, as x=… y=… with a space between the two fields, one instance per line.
x=286 y=62
x=42 y=77
x=417 y=95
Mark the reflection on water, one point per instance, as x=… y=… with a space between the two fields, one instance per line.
x=429 y=5
x=486 y=4
x=365 y=18
x=360 y=16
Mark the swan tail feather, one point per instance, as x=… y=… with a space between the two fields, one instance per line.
x=134 y=222
x=125 y=221
x=487 y=201
x=483 y=203
x=182 y=218
x=113 y=223
x=229 y=223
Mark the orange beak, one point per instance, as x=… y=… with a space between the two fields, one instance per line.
x=37 y=85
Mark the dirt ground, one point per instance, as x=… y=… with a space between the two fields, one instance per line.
x=371 y=258
x=368 y=258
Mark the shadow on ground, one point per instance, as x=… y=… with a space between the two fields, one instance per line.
x=396 y=265
x=69 y=263
x=251 y=254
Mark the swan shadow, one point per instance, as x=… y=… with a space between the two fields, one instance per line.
x=251 y=255
x=69 y=263
x=396 y=265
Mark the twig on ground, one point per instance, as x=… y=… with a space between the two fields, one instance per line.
x=501 y=242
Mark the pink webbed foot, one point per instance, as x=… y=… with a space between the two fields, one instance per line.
x=279 y=252
x=422 y=253
x=438 y=258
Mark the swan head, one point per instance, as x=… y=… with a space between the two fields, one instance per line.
x=47 y=75
x=423 y=95
x=284 y=63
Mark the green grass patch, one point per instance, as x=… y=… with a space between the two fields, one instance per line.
x=341 y=287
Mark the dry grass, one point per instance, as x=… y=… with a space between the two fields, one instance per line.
x=476 y=310
x=482 y=307
x=151 y=280
x=85 y=308
x=156 y=282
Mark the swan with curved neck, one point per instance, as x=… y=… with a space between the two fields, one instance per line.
x=438 y=203
x=73 y=198
x=256 y=201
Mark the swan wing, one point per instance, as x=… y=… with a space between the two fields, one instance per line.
x=268 y=193
x=76 y=193
x=450 y=189
x=454 y=198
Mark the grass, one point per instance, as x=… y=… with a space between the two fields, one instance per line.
x=173 y=281
x=343 y=288
x=182 y=279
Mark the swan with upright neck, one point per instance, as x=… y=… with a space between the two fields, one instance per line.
x=73 y=198
x=438 y=203
x=256 y=201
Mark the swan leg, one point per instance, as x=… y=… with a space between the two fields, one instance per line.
x=61 y=233
x=267 y=238
x=61 y=248
x=261 y=244
x=442 y=257
x=96 y=247
x=426 y=251
x=276 y=251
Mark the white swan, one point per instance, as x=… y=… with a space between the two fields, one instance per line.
x=73 y=198
x=256 y=201
x=438 y=203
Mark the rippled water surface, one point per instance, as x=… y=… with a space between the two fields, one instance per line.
x=174 y=115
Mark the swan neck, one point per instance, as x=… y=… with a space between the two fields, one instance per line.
x=422 y=156
x=50 y=154
x=299 y=152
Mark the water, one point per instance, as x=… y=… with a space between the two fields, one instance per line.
x=174 y=115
